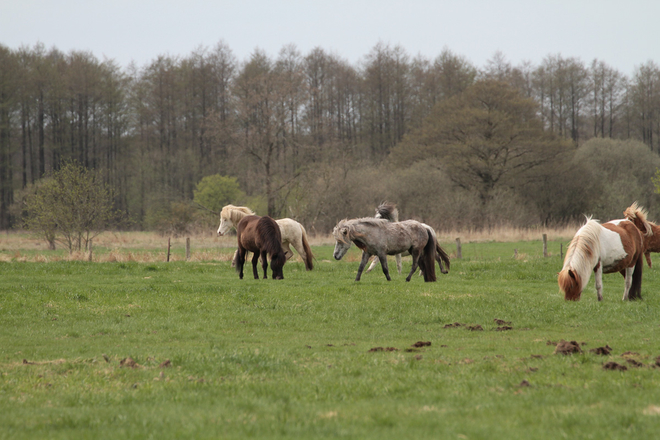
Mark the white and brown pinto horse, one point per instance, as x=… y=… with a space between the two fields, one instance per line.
x=615 y=246
x=382 y=238
x=292 y=232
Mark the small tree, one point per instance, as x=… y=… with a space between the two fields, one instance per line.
x=71 y=207
x=214 y=192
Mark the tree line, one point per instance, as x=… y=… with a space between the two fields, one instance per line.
x=314 y=137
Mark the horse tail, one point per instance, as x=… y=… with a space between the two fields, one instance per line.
x=309 y=257
x=271 y=242
x=441 y=256
x=570 y=283
x=636 y=286
x=427 y=259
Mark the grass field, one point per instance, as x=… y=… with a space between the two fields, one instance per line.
x=138 y=348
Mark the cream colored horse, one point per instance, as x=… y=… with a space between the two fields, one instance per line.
x=293 y=233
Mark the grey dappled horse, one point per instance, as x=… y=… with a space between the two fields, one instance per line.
x=381 y=237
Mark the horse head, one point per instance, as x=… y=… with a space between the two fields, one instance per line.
x=225 y=223
x=342 y=235
x=230 y=216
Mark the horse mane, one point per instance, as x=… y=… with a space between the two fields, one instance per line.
x=235 y=213
x=388 y=211
x=638 y=216
x=581 y=257
x=270 y=234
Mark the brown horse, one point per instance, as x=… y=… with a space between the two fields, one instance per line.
x=262 y=236
x=650 y=230
x=615 y=246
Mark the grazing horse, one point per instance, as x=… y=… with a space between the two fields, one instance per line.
x=650 y=230
x=615 y=246
x=381 y=237
x=260 y=235
x=293 y=233
x=388 y=211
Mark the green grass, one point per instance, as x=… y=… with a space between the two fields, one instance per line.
x=292 y=359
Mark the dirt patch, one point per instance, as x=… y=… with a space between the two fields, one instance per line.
x=165 y=364
x=374 y=349
x=537 y=356
x=603 y=351
x=475 y=328
x=614 y=366
x=629 y=354
x=503 y=328
x=128 y=363
x=454 y=325
x=501 y=322
x=567 y=347
x=524 y=383
x=634 y=363
x=422 y=344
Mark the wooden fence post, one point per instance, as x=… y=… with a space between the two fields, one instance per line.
x=188 y=249
x=459 y=252
x=169 y=243
x=545 y=245
x=89 y=248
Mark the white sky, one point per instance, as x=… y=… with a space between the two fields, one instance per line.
x=623 y=33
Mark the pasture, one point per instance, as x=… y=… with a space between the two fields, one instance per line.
x=132 y=349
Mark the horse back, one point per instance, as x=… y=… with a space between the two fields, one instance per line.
x=622 y=245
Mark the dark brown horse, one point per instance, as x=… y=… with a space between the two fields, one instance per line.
x=262 y=236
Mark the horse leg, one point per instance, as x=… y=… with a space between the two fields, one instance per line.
x=240 y=262
x=365 y=259
x=598 y=278
x=373 y=264
x=635 y=291
x=255 y=260
x=287 y=250
x=383 y=263
x=397 y=257
x=415 y=263
x=628 y=274
x=264 y=263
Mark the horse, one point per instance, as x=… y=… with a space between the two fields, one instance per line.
x=262 y=236
x=650 y=230
x=381 y=237
x=615 y=246
x=293 y=233
x=389 y=212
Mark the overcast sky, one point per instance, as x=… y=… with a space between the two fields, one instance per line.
x=622 y=33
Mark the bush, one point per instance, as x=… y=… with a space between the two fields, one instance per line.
x=71 y=206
